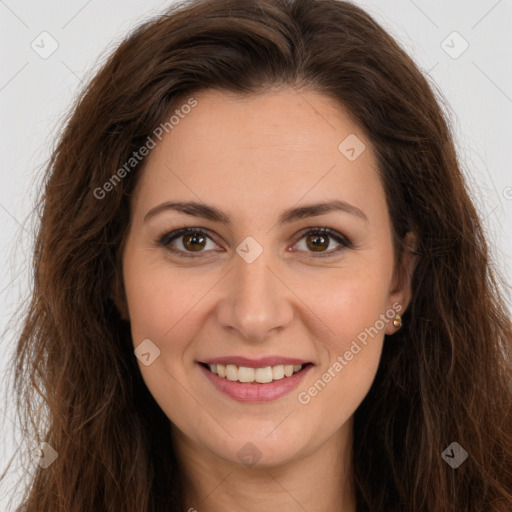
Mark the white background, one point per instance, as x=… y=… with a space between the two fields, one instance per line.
x=35 y=94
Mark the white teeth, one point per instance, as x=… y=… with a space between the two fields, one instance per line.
x=259 y=375
x=232 y=372
x=278 y=372
x=263 y=375
x=245 y=374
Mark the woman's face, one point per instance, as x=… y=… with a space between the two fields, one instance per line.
x=254 y=289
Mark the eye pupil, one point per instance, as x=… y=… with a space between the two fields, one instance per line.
x=318 y=246
x=193 y=239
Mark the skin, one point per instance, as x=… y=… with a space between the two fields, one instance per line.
x=253 y=157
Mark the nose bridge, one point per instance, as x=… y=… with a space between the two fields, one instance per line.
x=255 y=301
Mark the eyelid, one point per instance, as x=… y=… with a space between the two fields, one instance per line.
x=343 y=241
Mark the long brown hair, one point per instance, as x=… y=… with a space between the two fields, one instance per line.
x=445 y=377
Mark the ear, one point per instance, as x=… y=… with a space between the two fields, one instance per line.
x=118 y=296
x=400 y=293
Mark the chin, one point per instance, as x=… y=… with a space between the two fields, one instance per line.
x=258 y=453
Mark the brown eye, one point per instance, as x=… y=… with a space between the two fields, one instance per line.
x=318 y=240
x=194 y=241
x=317 y=243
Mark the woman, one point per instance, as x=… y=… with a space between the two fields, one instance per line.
x=260 y=282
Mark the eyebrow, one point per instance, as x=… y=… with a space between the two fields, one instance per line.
x=196 y=209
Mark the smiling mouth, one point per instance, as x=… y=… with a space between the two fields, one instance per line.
x=262 y=375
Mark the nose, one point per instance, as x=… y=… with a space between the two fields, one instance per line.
x=256 y=303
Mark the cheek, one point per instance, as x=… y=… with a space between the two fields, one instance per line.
x=349 y=304
x=352 y=306
x=161 y=308
x=159 y=301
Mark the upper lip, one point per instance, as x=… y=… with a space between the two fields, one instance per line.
x=255 y=363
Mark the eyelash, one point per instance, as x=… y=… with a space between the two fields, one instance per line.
x=167 y=238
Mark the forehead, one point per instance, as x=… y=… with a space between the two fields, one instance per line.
x=262 y=150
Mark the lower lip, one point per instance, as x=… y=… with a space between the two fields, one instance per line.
x=256 y=392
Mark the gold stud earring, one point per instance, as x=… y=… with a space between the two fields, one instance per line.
x=397 y=322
